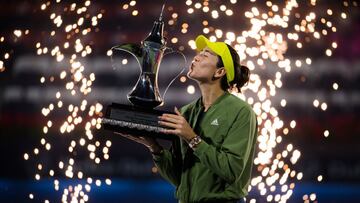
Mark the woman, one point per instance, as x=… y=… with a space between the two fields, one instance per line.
x=212 y=159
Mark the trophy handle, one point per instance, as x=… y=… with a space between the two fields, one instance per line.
x=169 y=50
x=131 y=48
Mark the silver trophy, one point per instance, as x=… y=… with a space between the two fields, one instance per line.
x=141 y=118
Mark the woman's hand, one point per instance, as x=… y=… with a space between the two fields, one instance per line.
x=179 y=124
x=148 y=142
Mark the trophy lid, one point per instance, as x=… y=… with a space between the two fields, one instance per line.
x=157 y=31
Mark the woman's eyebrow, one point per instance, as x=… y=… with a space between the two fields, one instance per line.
x=210 y=52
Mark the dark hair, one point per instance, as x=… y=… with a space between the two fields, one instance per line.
x=242 y=73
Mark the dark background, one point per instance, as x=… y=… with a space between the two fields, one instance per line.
x=22 y=97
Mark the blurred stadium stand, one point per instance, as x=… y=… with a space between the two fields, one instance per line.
x=22 y=97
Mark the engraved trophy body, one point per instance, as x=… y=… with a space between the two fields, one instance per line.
x=141 y=118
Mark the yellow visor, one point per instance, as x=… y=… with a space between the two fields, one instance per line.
x=221 y=49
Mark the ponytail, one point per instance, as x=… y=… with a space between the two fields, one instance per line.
x=242 y=73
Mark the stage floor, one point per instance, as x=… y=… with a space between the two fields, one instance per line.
x=157 y=191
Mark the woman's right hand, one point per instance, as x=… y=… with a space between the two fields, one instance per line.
x=148 y=142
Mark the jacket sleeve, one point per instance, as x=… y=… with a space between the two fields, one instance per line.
x=169 y=164
x=230 y=159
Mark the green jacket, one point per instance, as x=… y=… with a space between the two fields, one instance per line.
x=219 y=168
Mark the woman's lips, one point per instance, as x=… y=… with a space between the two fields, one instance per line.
x=191 y=66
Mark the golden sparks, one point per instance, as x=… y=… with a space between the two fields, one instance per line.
x=257 y=46
x=272 y=31
x=76 y=82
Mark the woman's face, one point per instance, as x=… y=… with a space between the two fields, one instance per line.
x=203 y=66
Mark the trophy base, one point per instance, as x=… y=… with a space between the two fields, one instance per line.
x=135 y=121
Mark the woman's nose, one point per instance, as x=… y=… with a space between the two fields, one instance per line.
x=197 y=58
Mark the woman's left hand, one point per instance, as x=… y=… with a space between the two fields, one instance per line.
x=179 y=124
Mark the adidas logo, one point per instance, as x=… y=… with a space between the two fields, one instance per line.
x=215 y=122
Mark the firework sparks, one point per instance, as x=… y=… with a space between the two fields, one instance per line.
x=15 y=37
x=131 y=6
x=77 y=84
x=256 y=46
